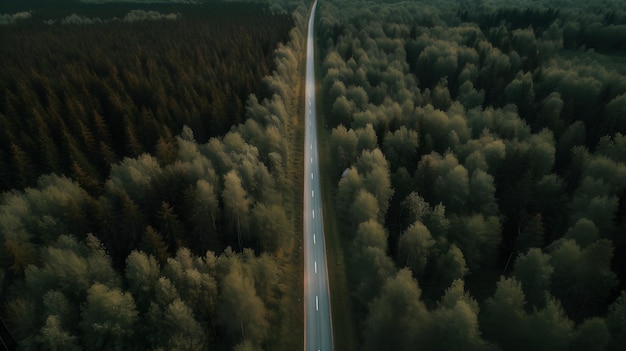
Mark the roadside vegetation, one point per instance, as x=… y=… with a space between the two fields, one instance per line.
x=481 y=171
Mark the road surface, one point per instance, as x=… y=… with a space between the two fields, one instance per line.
x=317 y=322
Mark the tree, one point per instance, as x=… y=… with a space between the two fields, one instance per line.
x=416 y=206
x=241 y=312
x=205 y=212
x=55 y=338
x=616 y=322
x=372 y=266
x=367 y=139
x=364 y=207
x=482 y=193
x=574 y=135
x=21 y=314
x=397 y=319
x=185 y=333
x=479 y=238
x=584 y=232
x=504 y=320
x=455 y=321
x=549 y=328
x=272 y=228
x=236 y=205
x=142 y=271
x=348 y=186
x=414 y=247
x=108 y=318
x=534 y=272
x=152 y=243
x=55 y=303
x=342 y=110
x=369 y=234
x=400 y=148
x=582 y=278
x=450 y=267
x=614 y=112
x=452 y=188
x=377 y=178
x=171 y=226
x=591 y=335
x=18 y=255
x=521 y=93
x=469 y=96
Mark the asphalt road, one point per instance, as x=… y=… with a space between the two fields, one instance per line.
x=318 y=330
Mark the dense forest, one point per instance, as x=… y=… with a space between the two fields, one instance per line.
x=480 y=156
x=150 y=165
x=80 y=91
x=118 y=235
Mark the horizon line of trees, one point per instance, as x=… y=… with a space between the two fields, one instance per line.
x=483 y=206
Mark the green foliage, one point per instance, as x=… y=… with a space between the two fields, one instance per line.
x=241 y=311
x=616 y=321
x=592 y=334
x=504 y=147
x=397 y=319
x=85 y=109
x=414 y=247
x=108 y=317
x=534 y=271
x=102 y=262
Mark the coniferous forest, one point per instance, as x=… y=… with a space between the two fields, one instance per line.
x=151 y=174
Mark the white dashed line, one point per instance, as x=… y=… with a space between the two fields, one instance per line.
x=311 y=175
x=311 y=159
x=313 y=211
x=312 y=193
x=313 y=239
x=315 y=267
x=317 y=305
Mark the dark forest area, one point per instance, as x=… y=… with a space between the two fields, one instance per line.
x=480 y=153
x=75 y=98
x=151 y=155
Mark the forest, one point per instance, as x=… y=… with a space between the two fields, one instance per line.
x=150 y=173
x=149 y=167
x=479 y=172
x=79 y=92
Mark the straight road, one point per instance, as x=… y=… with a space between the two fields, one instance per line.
x=318 y=330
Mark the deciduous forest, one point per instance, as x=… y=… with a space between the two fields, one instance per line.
x=152 y=160
x=481 y=171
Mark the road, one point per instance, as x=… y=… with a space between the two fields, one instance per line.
x=318 y=329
